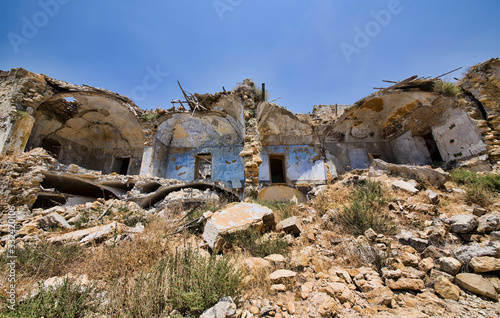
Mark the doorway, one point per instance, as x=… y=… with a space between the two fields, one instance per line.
x=430 y=142
x=120 y=165
x=277 y=167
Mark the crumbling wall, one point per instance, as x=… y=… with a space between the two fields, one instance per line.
x=482 y=86
x=183 y=136
x=87 y=126
x=303 y=164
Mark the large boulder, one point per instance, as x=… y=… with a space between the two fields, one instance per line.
x=477 y=284
x=446 y=289
x=237 y=217
x=484 y=264
x=424 y=174
x=465 y=253
x=489 y=222
x=462 y=223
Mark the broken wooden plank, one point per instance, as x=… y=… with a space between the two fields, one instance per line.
x=409 y=79
x=447 y=73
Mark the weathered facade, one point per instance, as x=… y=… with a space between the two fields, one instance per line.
x=238 y=139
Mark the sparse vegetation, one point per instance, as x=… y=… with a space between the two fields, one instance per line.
x=67 y=300
x=479 y=187
x=256 y=244
x=149 y=117
x=184 y=280
x=446 y=88
x=282 y=210
x=366 y=209
x=18 y=114
x=44 y=260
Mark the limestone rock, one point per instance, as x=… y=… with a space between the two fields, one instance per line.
x=411 y=239
x=463 y=223
x=484 y=264
x=305 y=290
x=434 y=274
x=237 y=217
x=281 y=274
x=277 y=288
x=446 y=289
x=370 y=234
x=403 y=185
x=290 y=307
x=380 y=296
x=87 y=235
x=257 y=263
x=477 y=284
x=225 y=308
x=489 y=222
x=432 y=196
x=406 y=284
x=465 y=253
x=340 y=291
x=425 y=174
x=367 y=280
x=426 y=264
x=449 y=265
x=29 y=228
x=292 y=225
x=53 y=220
x=277 y=260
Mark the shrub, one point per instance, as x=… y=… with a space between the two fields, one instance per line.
x=68 y=300
x=366 y=210
x=465 y=177
x=477 y=194
x=446 y=88
x=258 y=245
x=183 y=280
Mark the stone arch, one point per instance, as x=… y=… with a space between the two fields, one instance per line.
x=90 y=129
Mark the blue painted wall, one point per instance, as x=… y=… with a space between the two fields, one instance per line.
x=226 y=163
x=303 y=164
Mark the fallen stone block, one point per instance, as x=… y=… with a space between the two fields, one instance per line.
x=463 y=223
x=489 y=222
x=406 y=284
x=465 y=253
x=53 y=220
x=225 y=308
x=380 y=296
x=281 y=274
x=237 y=217
x=449 y=265
x=85 y=235
x=477 y=284
x=403 y=185
x=484 y=264
x=446 y=289
x=435 y=177
x=292 y=225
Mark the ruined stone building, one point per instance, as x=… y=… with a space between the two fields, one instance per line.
x=244 y=143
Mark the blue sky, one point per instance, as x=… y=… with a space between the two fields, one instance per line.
x=307 y=52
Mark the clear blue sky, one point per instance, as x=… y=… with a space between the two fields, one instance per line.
x=306 y=51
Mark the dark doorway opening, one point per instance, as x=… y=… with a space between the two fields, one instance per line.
x=120 y=165
x=430 y=142
x=277 y=167
x=51 y=145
